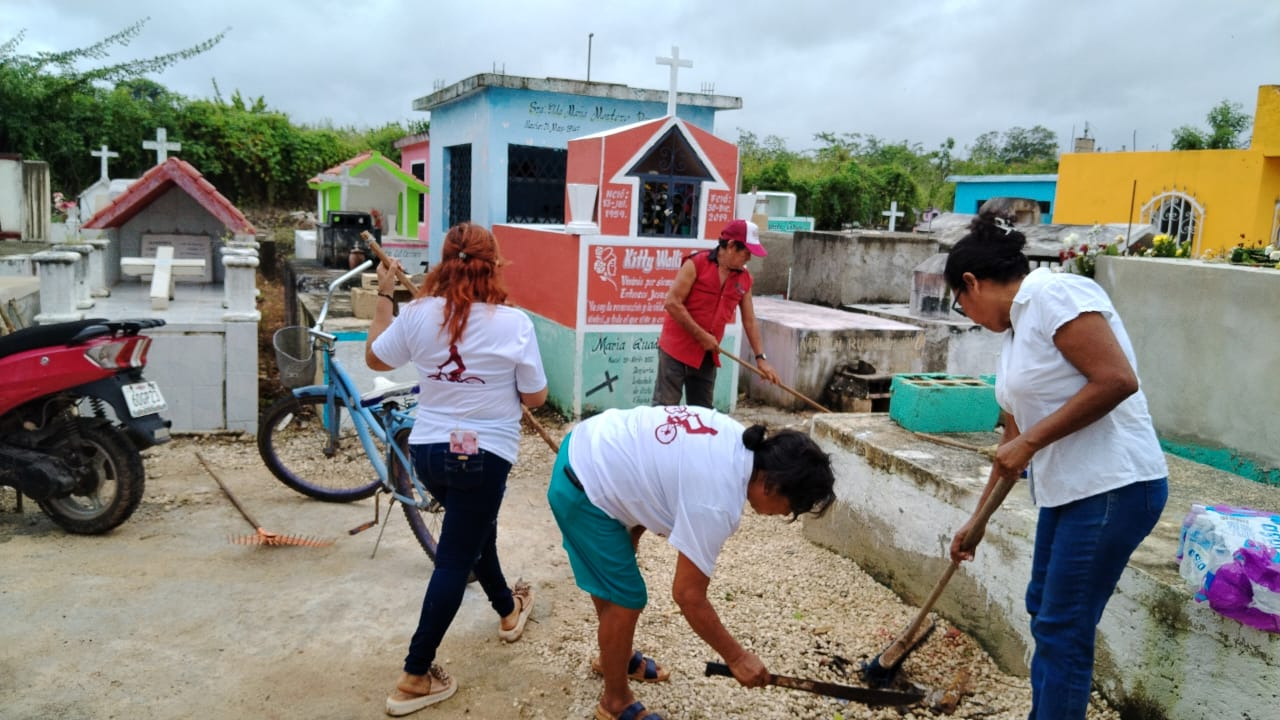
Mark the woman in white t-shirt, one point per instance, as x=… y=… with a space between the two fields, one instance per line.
x=1075 y=419
x=477 y=361
x=683 y=473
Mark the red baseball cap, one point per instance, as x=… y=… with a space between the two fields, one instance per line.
x=747 y=234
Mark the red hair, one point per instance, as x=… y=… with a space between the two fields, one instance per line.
x=467 y=273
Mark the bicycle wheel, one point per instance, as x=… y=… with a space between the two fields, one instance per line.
x=425 y=521
x=293 y=440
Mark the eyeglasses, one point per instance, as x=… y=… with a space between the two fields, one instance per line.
x=955 y=306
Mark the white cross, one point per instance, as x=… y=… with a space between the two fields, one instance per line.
x=344 y=181
x=161 y=146
x=893 y=213
x=162 y=268
x=676 y=63
x=105 y=154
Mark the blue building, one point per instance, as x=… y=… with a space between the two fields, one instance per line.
x=973 y=190
x=499 y=142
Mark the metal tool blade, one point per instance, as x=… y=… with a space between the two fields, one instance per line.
x=853 y=693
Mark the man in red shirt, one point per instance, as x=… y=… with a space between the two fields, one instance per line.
x=709 y=287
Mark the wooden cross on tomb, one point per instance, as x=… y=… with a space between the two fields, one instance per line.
x=344 y=181
x=893 y=213
x=106 y=155
x=676 y=63
x=162 y=268
x=161 y=145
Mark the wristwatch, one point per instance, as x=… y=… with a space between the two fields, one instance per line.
x=761 y=356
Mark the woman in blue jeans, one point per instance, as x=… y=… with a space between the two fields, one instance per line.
x=1076 y=421
x=477 y=361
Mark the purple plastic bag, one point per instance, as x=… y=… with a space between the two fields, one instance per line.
x=1248 y=589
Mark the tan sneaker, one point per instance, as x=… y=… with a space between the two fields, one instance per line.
x=442 y=687
x=522 y=593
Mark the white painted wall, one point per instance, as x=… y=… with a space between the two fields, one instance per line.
x=1207 y=340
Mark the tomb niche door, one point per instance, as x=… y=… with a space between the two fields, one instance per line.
x=671 y=177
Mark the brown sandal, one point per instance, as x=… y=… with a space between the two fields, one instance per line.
x=522 y=593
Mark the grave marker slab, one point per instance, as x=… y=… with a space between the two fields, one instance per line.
x=185 y=247
x=162 y=268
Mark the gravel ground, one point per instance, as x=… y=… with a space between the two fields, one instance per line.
x=163 y=616
x=805 y=610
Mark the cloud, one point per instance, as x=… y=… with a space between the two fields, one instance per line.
x=912 y=70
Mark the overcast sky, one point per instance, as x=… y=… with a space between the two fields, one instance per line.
x=913 y=70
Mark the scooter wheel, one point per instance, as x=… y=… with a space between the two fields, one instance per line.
x=110 y=492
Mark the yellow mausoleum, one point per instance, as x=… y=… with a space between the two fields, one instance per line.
x=1214 y=199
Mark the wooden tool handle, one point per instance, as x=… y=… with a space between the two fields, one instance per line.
x=894 y=653
x=781 y=384
x=227 y=491
x=383 y=258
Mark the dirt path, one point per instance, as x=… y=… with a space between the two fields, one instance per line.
x=164 y=618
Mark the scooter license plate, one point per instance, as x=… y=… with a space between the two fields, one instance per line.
x=144 y=398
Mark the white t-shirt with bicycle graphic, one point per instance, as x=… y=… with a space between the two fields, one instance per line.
x=681 y=472
x=472 y=385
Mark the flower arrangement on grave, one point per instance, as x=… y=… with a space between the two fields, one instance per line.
x=1081 y=258
x=1163 y=245
x=63 y=209
x=376 y=214
x=1264 y=256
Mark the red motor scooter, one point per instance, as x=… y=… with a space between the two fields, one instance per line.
x=75 y=414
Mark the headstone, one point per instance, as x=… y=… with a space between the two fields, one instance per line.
x=105 y=156
x=675 y=62
x=893 y=213
x=161 y=145
x=162 y=268
x=185 y=247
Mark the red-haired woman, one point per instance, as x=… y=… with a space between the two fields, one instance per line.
x=477 y=361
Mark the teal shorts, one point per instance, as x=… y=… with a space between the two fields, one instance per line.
x=599 y=547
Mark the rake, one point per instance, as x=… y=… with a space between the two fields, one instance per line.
x=261 y=536
x=408 y=284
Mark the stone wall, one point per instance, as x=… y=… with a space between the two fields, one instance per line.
x=861 y=266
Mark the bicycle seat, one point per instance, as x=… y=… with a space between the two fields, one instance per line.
x=384 y=389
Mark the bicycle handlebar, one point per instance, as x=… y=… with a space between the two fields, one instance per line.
x=324 y=309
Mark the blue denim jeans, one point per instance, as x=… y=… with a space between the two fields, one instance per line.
x=471 y=492
x=1081 y=550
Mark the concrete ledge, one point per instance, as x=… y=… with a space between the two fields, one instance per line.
x=901 y=498
x=806 y=344
x=20 y=297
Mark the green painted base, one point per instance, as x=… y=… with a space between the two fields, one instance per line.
x=1223 y=459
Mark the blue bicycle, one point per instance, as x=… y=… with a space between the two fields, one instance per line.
x=319 y=438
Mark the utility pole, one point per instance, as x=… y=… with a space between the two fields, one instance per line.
x=589 y=36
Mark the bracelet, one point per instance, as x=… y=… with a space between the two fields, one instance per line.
x=761 y=356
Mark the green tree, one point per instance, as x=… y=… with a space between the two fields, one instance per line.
x=1227 y=122
x=50 y=104
x=1029 y=149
